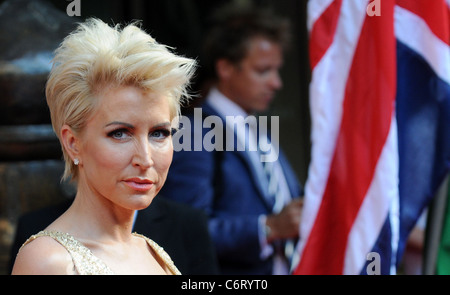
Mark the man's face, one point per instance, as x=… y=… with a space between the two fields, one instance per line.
x=253 y=82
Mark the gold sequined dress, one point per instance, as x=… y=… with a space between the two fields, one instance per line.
x=84 y=260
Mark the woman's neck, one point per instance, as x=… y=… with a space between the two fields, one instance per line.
x=94 y=217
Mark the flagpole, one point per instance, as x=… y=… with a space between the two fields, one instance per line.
x=435 y=222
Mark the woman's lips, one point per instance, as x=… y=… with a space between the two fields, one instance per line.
x=139 y=184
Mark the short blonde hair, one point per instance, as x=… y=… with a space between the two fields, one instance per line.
x=96 y=56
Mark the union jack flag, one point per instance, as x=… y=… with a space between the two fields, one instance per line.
x=380 y=109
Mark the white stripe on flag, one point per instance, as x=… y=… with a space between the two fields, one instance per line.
x=315 y=10
x=326 y=97
x=374 y=210
x=413 y=31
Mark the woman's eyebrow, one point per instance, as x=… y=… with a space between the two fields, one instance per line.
x=164 y=124
x=129 y=126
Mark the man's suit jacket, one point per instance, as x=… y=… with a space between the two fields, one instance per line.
x=228 y=188
x=182 y=232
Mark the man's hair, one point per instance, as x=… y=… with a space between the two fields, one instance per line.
x=233 y=27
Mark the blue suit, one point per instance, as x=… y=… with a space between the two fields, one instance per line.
x=229 y=189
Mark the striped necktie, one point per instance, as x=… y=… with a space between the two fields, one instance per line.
x=273 y=185
x=274 y=192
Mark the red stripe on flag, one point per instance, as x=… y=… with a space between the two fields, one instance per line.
x=367 y=112
x=322 y=32
x=435 y=13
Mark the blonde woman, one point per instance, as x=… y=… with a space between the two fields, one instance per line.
x=114 y=95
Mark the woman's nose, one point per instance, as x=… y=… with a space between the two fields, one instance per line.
x=142 y=157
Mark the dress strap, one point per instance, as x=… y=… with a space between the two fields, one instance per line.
x=84 y=261
x=162 y=254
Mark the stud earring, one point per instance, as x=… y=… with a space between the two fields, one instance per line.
x=76 y=161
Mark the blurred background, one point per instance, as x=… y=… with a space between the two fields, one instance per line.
x=30 y=155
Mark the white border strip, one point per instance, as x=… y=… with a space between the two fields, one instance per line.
x=413 y=31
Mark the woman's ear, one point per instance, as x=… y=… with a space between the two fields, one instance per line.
x=70 y=142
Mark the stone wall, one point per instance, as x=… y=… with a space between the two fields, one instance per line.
x=26 y=186
x=30 y=153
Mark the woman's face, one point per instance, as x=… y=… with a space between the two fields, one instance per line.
x=126 y=147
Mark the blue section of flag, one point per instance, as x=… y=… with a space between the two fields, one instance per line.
x=423 y=119
x=383 y=246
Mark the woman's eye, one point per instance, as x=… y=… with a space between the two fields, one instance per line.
x=118 y=134
x=160 y=134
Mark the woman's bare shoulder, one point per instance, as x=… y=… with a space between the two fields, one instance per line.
x=43 y=256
